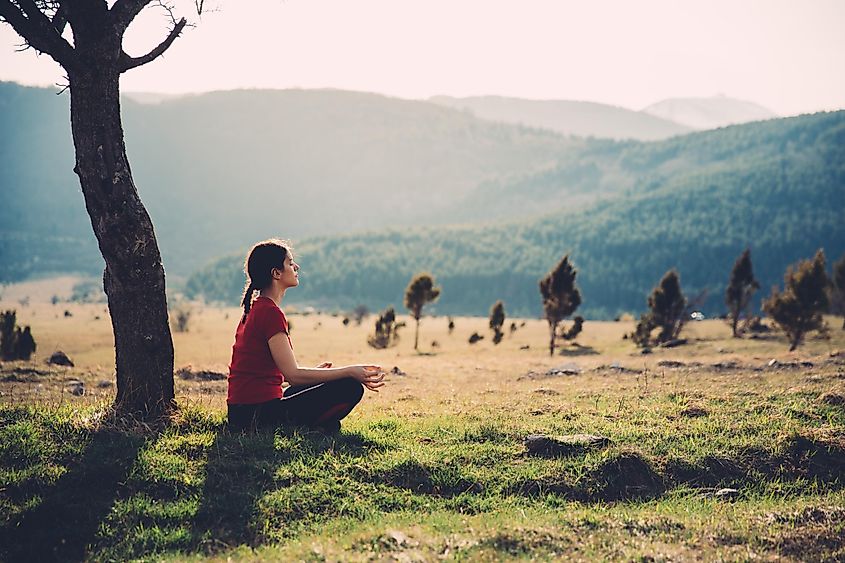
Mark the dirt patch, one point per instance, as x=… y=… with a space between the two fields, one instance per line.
x=811 y=534
x=693 y=411
x=832 y=399
x=557 y=446
x=188 y=373
x=628 y=475
x=444 y=481
x=652 y=527
x=711 y=472
x=518 y=543
x=816 y=457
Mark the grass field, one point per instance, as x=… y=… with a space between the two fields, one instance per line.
x=434 y=466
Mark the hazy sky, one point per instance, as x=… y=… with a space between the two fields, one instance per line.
x=787 y=55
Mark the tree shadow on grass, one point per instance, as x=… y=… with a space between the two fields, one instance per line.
x=241 y=468
x=68 y=517
x=578 y=350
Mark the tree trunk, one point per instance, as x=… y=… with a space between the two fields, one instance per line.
x=553 y=333
x=417 y=335
x=735 y=321
x=134 y=277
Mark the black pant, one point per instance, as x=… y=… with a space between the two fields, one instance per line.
x=320 y=405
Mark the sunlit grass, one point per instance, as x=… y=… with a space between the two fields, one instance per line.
x=434 y=465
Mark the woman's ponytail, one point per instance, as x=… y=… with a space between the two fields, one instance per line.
x=246 y=302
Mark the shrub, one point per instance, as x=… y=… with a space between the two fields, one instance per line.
x=560 y=297
x=740 y=290
x=497 y=319
x=420 y=291
x=798 y=309
x=386 y=330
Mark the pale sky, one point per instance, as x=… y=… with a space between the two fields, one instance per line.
x=786 y=55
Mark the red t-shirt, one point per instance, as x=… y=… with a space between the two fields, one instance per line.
x=253 y=374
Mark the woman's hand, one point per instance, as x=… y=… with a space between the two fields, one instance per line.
x=371 y=377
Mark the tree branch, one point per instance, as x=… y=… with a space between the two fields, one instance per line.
x=60 y=18
x=126 y=62
x=124 y=11
x=37 y=30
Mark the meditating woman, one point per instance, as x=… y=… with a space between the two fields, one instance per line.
x=263 y=358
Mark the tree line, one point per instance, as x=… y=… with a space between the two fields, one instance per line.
x=808 y=292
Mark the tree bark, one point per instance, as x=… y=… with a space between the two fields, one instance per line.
x=417 y=335
x=134 y=276
x=552 y=335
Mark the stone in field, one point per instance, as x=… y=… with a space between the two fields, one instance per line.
x=671 y=364
x=565 y=369
x=726 y=494
x=551 y=446
x=59 y=358
x=76 y=388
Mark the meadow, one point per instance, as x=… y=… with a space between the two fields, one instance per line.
x=721 y=449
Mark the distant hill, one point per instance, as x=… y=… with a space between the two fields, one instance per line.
x=697 y=201
x=150 y=97
x=708 y=113
x=217 y=171
x=584 y=119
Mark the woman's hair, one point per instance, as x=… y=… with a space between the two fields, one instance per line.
x=258 y=266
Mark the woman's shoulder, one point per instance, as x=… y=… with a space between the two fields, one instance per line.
x=267 y=308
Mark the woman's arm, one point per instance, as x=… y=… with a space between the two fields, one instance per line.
x=370 y=376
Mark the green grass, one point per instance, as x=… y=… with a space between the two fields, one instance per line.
x=449 y=483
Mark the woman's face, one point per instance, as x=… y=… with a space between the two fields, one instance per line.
x=289 y=276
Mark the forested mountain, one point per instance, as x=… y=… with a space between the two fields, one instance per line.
x=708 y=113
x=584 y=119
x=219 y=170
x=776 y=186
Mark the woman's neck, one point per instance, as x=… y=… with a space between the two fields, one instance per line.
x=275 y=294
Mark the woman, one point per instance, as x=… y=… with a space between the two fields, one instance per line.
x=262 y=357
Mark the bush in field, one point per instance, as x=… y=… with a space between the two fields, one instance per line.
x=15 y=344
x=451 y=325
x=575 y=329
x=497 y=319
x=386 y=330
x=359 y=313
x=798 y=308
x=420 y=291
x=560 y=297
x=7 y=334
x=181 y=318
x=667 y=311
x=87 y=291
x=836 y=289
x=740 y=290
